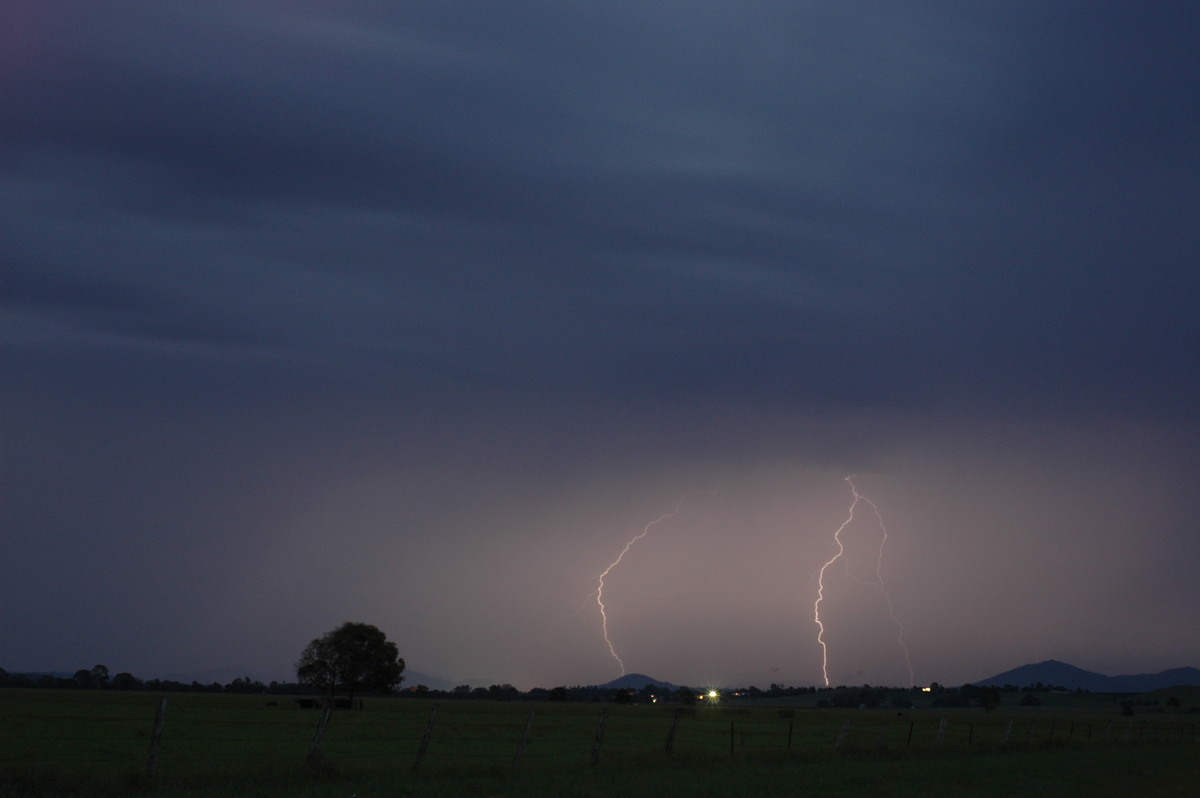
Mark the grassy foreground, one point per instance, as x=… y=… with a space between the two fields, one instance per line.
x=96 y=744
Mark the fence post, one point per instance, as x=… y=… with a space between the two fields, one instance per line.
x=156 y=738
x=425 y=737
x=1008 y=731
x=731 y=736
x=791 y=723
x=842 y=734
x=911 y=724
x=314 y=750
x=524 y=737
x=599 y=741
x=941 y=735
x=671 y=733
x=970 y=733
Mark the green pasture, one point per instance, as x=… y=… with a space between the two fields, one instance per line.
x=59 y=743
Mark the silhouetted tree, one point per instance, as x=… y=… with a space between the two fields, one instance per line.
x=245 y=685
x=126 y=681
x=503 y=692
x=14 y=679
x=354 y=656
x=99 y=676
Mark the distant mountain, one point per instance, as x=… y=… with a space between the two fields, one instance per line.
x=1060 y=674
x=1146 y=682
x=636 y=681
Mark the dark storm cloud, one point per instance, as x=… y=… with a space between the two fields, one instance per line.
x=789 y=184
x=256 y=252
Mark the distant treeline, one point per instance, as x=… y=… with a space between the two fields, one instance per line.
x=99 y=678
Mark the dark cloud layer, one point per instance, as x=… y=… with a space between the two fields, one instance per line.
x=414 y=313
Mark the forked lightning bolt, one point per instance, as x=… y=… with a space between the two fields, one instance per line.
x=841 y=550
x=600 y=582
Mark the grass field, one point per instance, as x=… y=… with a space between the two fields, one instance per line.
x=58 y=743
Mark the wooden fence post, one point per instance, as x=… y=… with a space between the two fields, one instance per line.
x=1008 y=731
x=156 y=738
x=791 y=723
x=524 y=737
x=671 y=733
x=911 y=724
x=599 y=741
x=425 y=737
x=731 y=737
x=314 y=750
x=941 y=735
x=842 y=735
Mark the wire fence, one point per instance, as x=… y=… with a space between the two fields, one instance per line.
x=184 y=736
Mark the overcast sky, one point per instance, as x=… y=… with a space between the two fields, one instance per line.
x=415 y=313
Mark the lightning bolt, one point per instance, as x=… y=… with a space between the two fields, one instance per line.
x=600 y=582
x=879 y=577
x=841 y=550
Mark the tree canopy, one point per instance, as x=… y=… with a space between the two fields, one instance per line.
x=354 y=656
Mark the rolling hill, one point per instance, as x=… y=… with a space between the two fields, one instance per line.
x=1061 y=674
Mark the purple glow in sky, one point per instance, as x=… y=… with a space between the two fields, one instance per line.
x=415 y=313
